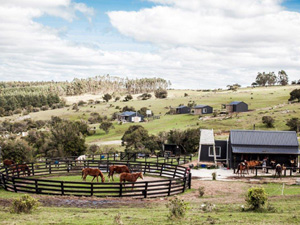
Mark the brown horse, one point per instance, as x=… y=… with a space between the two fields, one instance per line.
x=252 y=164
x=131 y=177
x=278 y=170
x=95 y=172
x=21 y=168
x=117 y=169
x=241 y=168
x=8 y=162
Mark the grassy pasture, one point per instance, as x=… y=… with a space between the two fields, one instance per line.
x=262 y=101
x=154 y=212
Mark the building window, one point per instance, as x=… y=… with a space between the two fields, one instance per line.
x=204 y=110
x=211 y=151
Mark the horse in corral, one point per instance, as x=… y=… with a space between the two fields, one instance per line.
x=81 y=158
x=21 y=168
x=8 y=162
x=273 y=164
x=117 y=169
x=252 y=164
x=95 y=172
x=278 y=170
x=131 y=177
x=241 y=168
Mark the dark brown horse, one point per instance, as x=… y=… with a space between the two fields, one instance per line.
x=8 y=162
x=241 y=168
x=95 y=172
x=131 y=177
x=21 y=168
x=117 y=169
x=278 y=170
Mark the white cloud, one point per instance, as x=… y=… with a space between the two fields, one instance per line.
x=221 y=38
x=198 y=44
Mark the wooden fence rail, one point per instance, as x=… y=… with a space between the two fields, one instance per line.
x=176 y=179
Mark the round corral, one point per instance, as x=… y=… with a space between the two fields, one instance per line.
x=172 y=179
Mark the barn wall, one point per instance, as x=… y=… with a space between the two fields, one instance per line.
x=204 y=157
x=242 y=107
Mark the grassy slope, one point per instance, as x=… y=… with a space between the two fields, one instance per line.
x=288 y=209
x=265 y=101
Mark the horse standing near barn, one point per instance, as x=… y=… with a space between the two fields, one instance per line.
x=131 y=177
x=252 y=164
x=278 y=170
x=241 y=168
x=117 y=169
x=95 y=172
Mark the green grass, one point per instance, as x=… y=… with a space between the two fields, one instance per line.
x=262 y=101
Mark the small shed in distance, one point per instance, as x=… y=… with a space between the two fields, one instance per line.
x=183 y=110
x=237 y=106
x=202 y=109
x=130 y=116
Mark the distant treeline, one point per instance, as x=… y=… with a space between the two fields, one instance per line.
x=98 y=84
x=16 y=96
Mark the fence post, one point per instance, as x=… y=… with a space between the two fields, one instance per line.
x=50 y=167
x=175 y=172
x=145 y=168
x=36 y=187
x=14 y=184
x=146 y=189
x=190 y=181
x=291 y=172
x=32 y=169
x=4 y=182
x=114 y=156
x=169 y=189
x=184 y=184
x=62 y=188
x=256 y=171
x=284 y=172
x=92 y=189
x=120 y=193
x=161 y=169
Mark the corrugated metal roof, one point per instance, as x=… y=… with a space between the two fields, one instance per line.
x=265 y=150
x=263 y=138
x=234 y=103
x=200 y=106
x=128 y=113
x=182 y=106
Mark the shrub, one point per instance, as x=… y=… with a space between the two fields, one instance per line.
x=107 y=97
x=177 y=208
x=81 y=103
x=45 y=107
x=256 y=198
x=24 y=204
x=268 y=120
x=201 y=191
x=128 y=98
x=161 y=93
x=214 y=175
x=208 y=207
x=293 y=123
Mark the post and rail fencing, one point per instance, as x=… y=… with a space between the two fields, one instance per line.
x=173 y=179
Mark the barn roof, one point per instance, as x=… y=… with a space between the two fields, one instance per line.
x=129 y=113
x=207 y=137
x=235 y=103
x=265 y=150
x=200 y=106
x=264 y=138
x=181 y=107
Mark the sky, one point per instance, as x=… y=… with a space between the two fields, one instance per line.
x=196 y=44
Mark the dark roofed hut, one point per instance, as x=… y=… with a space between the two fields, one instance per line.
x=237 y=106
x=130 y=116
x=281 y=146
x=183 y=110
x=202 y=109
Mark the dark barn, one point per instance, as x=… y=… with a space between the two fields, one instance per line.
x=281 y=146
x=207 y=153
x=172 y=150
x=129 y=116
x=202 y=109
x=237 y=107
x=183 y=110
